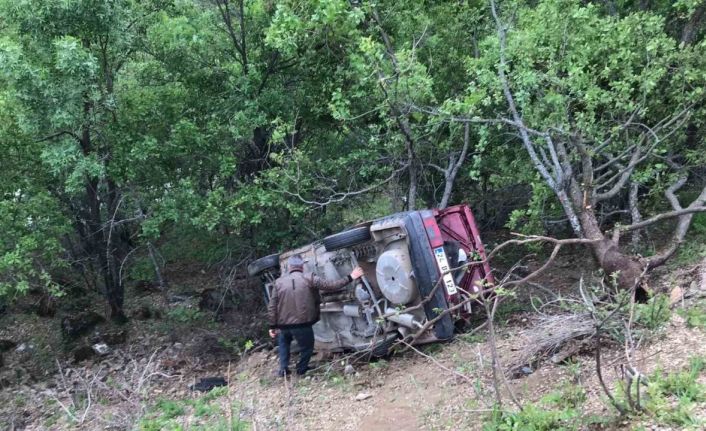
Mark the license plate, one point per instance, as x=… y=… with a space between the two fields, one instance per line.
x=443 y=264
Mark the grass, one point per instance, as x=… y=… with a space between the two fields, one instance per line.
x=694 y=249
x=560 y=410
x=472 y=338
x=654 y=313
x=431 y=349
x=208 y=412
x=573 y=368
x=510 y=307
x=380 y=364
x=671 y=398
x=695 y=316
x=184 y=314
x=337 y=380
x=648 y=318
x=463 y=365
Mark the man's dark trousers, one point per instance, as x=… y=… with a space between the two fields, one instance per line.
x=305 y=338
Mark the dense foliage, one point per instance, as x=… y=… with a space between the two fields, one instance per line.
x=124 y=123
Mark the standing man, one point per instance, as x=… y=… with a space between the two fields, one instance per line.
x=294 y=308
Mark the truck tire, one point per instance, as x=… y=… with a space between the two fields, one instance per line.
x=347 y=238
x=427 y=273
x=258 y=266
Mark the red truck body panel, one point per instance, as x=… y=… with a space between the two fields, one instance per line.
x=457 y=223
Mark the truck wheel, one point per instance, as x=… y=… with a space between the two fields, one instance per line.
x=347 y=238
x=262 y=264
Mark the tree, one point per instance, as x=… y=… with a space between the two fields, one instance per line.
x=267 y=123
x=598 y=103
x=61 y=61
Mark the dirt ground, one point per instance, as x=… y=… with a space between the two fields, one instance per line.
x=440 y=387
x=413 y=392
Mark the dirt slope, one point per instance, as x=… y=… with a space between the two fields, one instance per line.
x=414 y=392
x=442 y=387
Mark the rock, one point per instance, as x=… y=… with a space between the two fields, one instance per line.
x=208 y=346
x=177 y=299
x=676 y=295
x=142 y=313
x=362 y=396
x=213 y=300
x=83 y=353
x=147 y=286
x=75 y=326
x=208 y=383
x=6 y=345
x=348 y=370
x=145 y=312
x=24 y=347
x=210 y=300
x=524 y=370
x=101 y=348
x=47 y=306
x=110 y=338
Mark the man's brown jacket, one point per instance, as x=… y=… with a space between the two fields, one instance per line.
x=295 y=299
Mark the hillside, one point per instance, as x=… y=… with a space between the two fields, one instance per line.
x=143 y=383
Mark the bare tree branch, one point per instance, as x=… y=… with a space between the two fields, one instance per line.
x=697 y=205
x=337 y=197
x=60 y=133
x=238 y=44
x=555 y=183
x=659 y=217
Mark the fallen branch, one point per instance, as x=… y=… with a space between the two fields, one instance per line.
x=549 y=334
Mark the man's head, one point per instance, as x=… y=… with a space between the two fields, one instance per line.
x=295 y=263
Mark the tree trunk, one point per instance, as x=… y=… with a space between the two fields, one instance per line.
x=693 y=26
x=155 y=264
x=97 y=236
x=635 y=214
x=412 y=192
x=115 y=290
x=448 y=188
x=454 y=166
x=628 y=269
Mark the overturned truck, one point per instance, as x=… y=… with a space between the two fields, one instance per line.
x=408 y=260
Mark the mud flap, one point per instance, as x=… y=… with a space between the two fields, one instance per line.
x=427 y=274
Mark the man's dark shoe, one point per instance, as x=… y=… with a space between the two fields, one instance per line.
x=302 y=372
x=285 y=372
